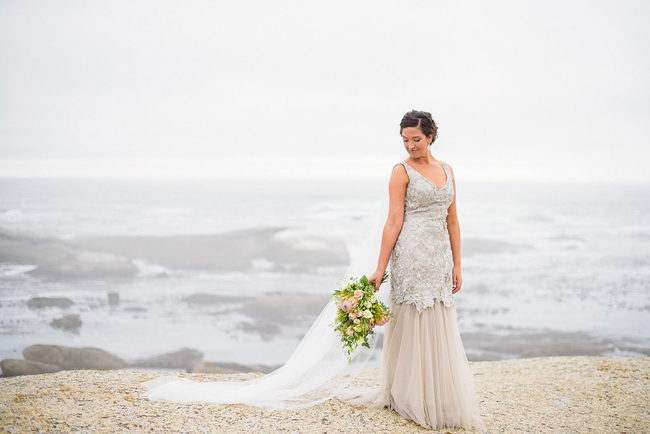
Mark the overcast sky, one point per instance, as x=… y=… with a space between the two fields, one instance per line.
x=521 y=90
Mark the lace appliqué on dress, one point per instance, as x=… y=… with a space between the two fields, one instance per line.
x=422 y=261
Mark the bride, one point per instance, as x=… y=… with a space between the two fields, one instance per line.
x=424 y=374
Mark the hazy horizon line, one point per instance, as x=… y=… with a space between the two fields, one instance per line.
x=275 y=167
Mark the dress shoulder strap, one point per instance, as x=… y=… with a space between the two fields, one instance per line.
x=406 y=166
x=409 y=169
x=446 y=167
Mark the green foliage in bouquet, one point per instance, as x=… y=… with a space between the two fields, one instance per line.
x=358 y=312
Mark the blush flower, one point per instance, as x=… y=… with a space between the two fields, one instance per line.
x=358 y=312
x=383 y=320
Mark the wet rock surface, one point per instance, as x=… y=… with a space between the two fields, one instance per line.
x=42 y=302
x=69 y=323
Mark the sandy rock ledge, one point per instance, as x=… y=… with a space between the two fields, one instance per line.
x=574 y=394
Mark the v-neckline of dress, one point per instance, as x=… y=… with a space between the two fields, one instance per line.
x=444 y=169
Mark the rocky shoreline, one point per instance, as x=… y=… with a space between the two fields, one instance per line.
x=42 y=359
x=111 y=257
x=563 y=394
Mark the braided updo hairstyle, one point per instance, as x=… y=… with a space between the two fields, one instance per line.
x=422 y=120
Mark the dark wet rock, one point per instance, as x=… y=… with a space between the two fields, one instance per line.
x=231 y=368
x=72 y=357
x=41 y=302
x=67 y=323
x=113 y=298
x=266 y=329
x=15 y=367
x=200 y=298
x=183 y=359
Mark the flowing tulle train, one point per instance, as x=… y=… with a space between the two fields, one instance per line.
x=424 y=375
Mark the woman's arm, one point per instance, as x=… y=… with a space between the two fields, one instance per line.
x=397 y=191
x=454 y=237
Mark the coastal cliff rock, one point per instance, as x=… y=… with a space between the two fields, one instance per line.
x=40 y=359
x=13 y=367
x=72 y=358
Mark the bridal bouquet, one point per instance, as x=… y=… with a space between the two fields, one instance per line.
x=358 y=312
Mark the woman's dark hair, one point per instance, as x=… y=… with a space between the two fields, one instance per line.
x=422 y=120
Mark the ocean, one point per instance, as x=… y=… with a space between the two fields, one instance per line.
x=548 y=269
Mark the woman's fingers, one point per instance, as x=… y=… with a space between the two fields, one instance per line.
x=457 y=284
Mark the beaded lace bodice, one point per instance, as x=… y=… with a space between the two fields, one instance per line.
x=421 y=262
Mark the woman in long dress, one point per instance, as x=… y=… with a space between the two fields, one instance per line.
x=424 y=374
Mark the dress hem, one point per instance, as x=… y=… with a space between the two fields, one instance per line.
x=420 y=305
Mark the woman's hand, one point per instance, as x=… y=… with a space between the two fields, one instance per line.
x=456 y=279
x=376 y=278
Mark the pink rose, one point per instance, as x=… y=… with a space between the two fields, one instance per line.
x=358 y=293
x=346 y=306
x=349 y=332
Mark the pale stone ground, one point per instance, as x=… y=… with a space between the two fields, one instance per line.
x=573 y=394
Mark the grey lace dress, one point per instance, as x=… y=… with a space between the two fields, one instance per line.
x=421 y=262
x=425 y=374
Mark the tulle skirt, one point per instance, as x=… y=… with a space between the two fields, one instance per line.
x=424 y=374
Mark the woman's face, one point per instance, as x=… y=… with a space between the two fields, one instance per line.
x=415 y=142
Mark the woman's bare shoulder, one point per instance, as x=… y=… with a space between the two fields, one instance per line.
x=399 y=174
x=400 y=168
